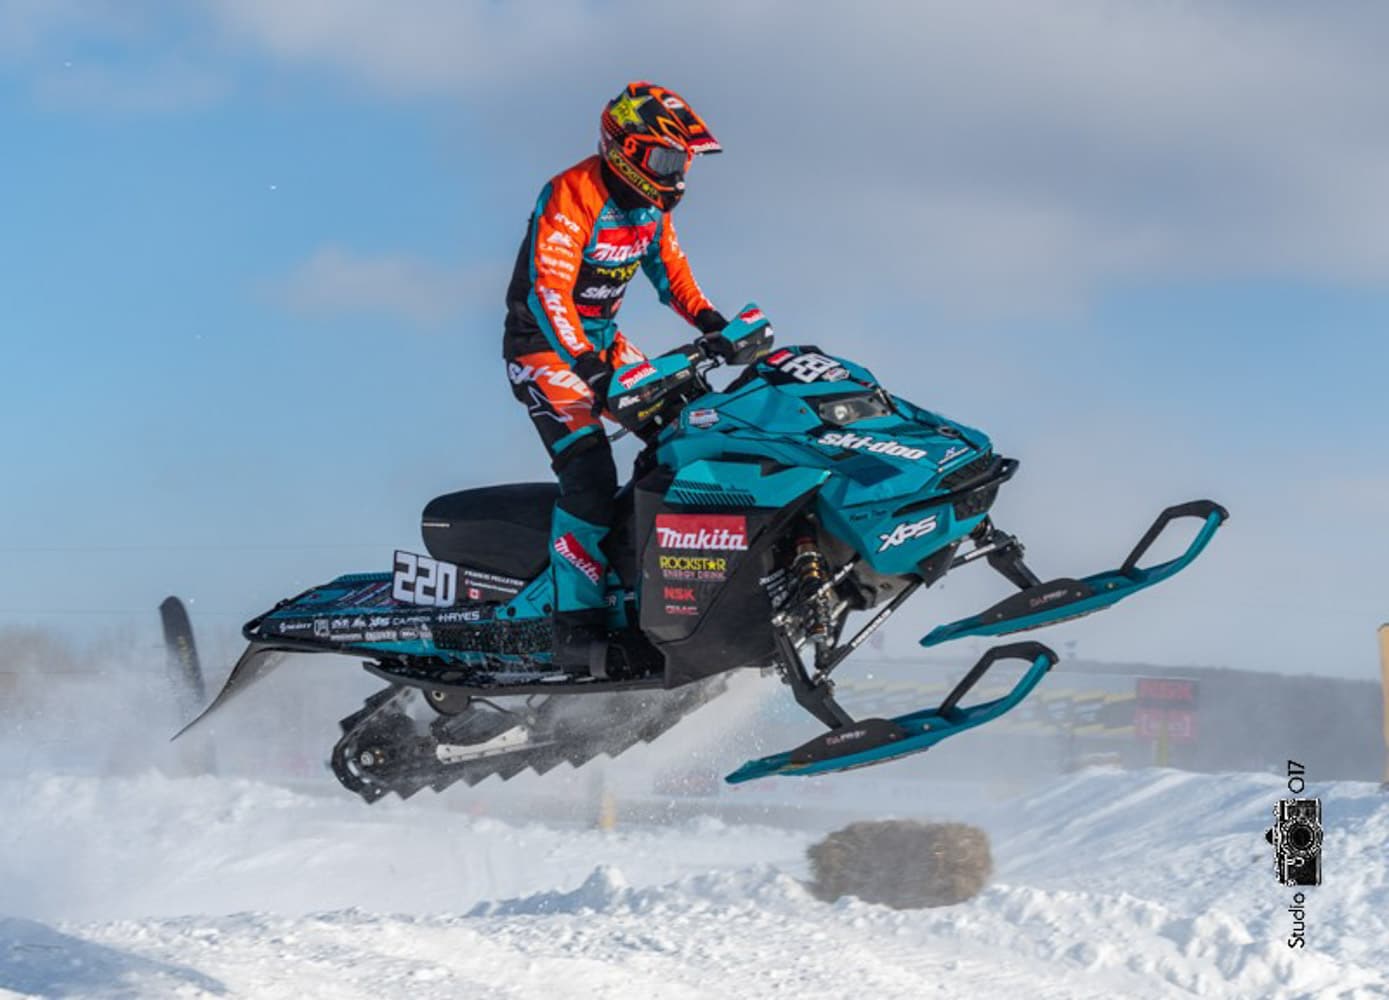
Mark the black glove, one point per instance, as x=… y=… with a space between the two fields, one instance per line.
x=596 y=374
x=716 y=345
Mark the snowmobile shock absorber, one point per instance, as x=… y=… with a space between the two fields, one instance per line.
x=815 y=588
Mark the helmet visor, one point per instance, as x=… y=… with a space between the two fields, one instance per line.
x=663 y=161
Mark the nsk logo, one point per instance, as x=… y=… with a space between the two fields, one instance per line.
x=708 y=532
x=867 y=442
x=617 y=246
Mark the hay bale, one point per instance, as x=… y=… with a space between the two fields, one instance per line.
x=901 y=863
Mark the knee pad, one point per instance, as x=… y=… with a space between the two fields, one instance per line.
x=587 y=479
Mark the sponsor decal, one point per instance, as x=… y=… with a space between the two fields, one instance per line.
x=704 y=146
x=753 y=315
x=577 y=556
x=554 y=305
x=625 y=110
x=302 y=625
x=321 y=628
x=712 y=564
x=867 y=442
x=590 y=310
x=686 y=610
x=622 y=243
x=638 y=373
x=464 y=617
x=566 y=222
x=709 y=532
x=382 y=635
x=346 y=637
x=627 y=401
x=563 y=266
x=621 y=272
x=679 y=593
x=561 y=240
x=906 y=531
x=603 y=292
x=810 y=367
x=703 y=418
x=954 y=452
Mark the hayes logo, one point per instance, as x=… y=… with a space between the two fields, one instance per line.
x=577 y=556
x=638 y=373
x=867 y=442
x=707 y=532
x=906 y=532
x=624 y=243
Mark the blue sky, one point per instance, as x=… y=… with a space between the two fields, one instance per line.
x=254 y=256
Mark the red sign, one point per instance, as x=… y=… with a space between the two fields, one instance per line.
x=1149 y=722
x=1166 y=691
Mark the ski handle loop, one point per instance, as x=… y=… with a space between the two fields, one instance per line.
x=1208 y=510
x=1028 y=651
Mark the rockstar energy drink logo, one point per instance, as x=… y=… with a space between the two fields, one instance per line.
x=632 y=175
x=706 y=564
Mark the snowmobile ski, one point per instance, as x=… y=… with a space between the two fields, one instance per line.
x=872 y=741
x=1045 y=603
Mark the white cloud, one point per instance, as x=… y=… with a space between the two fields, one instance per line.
x=335 y=281
x=1042 y=148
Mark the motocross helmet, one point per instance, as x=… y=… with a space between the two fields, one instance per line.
x=648 y=139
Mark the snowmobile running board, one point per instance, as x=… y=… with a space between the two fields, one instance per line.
x=1057 y=600
x=872 y=741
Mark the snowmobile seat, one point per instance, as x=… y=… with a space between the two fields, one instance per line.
x=496 y=529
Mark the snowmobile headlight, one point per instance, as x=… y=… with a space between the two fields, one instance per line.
x=844 y=410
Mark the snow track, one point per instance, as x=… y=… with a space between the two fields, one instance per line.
x=1109 y=884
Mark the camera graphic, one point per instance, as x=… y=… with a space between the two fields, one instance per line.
x=1296 y=840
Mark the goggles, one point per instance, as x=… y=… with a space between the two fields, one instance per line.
x=664 y=161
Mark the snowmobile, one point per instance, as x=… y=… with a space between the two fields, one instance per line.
x=760 y=517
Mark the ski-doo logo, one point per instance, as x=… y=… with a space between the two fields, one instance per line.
x=906 y=532
x=866 y=442
x=421 y=580
x=603 y=292
x=640 y=373
x=623 y=243
x=554 y=305
x=577 y=556
x=708 y=532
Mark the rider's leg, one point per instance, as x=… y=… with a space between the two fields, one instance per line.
x=561 y=407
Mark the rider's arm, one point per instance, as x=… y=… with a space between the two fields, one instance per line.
x=560 y=228
x=665 y=264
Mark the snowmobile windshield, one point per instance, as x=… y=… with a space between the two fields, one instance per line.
x=844 y=410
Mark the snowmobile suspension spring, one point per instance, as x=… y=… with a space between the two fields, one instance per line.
x=816 y=588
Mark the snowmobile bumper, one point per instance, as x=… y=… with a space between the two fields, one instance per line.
x=872 y=741
x=1064 y=598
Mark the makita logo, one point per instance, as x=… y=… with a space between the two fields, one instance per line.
x=641 y=371
x=707 y=532
x=573 y=553
x=867 y=442
x=624 y=243
x=906 y=532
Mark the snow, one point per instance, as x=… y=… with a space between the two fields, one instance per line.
x=1109 y=884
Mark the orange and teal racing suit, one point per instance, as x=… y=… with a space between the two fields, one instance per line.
x=585 y=242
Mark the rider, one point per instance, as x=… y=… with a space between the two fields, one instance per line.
x=593 y=225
